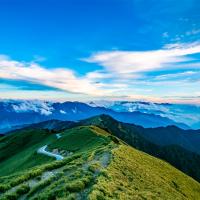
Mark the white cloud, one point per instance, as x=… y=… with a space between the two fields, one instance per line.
x=140 y=61
x=64 y=79
x=98 y=75
x=104 y=74
x=165 y=35
x=62 y=112
x=38 y=58
x=42 y=107
x=123 y=75
x=181 y=75
x=193 y=32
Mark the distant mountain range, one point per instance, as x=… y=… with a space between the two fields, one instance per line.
x=182 y=113
x=17 y=113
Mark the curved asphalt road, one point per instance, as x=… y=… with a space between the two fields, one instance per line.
x=42 y=150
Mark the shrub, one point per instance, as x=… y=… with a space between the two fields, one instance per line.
x=77 y=174
x=23 y=189
x=87 y=179
x=75 y=186
x=38 y=178
x=26 y=177
x=71 y=196
x=68 y=168
x=96 y=195
x=104 y=173
x=94 y=167
x=41 y=185
x=10 y=196
x=114 y=139
x=4 y=187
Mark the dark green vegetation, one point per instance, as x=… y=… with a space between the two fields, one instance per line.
x=84 y=141
x=96 y=165
x=18 y=150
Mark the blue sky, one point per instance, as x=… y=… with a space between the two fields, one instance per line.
x=100 y=49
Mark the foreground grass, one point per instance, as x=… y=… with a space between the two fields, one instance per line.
x=136 y=175
x=100 y=167
x=69 y=178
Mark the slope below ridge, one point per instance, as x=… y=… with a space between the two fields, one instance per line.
x=163 y=136
x=171 y=135
x=101 y=166
x=181 y=158
x=178 y=156
x=133 y=174
x=18 y=149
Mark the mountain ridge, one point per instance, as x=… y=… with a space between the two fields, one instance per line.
x=28 y=112
x=185 y=113
x=179 y=156
x=96 y=165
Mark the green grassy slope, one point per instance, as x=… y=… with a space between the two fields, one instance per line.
x=182 y=159
x=96 y=165
x=73 y=176
x=80 y=139
x=18 y=150
x=20 y=140
x=140 y=176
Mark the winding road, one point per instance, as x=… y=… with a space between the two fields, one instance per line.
x=58 y=135
x=42 y=150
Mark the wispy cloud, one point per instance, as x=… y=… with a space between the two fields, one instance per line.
x=165 y=35
x=130 y=75
x=184 y=76
x=193 y=32
x=63 y=79
x=140 y=61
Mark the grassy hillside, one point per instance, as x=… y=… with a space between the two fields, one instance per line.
x=85 y=151
x=96 y=165
x=140 y=176
x=80 y=139
x=18 y=150
x=184 y=160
